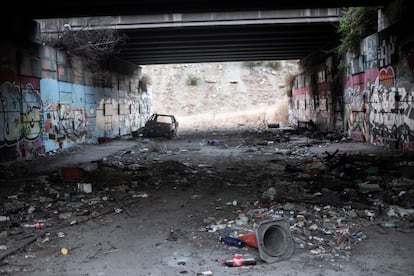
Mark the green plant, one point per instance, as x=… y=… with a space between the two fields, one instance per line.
x=252 y=64
x=355 y=23
x=192 y=80
x=342 y=66
x=274 y=64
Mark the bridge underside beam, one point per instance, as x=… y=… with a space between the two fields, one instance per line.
x=77 y=8
x=204 y=44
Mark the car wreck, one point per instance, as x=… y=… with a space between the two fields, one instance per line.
x=160 y=125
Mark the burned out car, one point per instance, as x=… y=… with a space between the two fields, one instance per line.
x=160 y=125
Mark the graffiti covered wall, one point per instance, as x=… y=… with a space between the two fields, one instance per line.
x=379 y=91
x=82 y=107
x=65 y=114
x=48 y=102
x=377 y=95
x=20 y=106
x=313 y=98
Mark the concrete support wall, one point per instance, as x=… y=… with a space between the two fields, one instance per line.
x=378 y=88
x=314 y=97
x=20 y=102
x=379 y=91
x=48 y=102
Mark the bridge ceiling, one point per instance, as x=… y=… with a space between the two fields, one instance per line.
x=76 y=8
x=209 y=43
x=227 y=43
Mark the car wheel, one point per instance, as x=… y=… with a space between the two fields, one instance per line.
x=145 y=133
x=172 y=134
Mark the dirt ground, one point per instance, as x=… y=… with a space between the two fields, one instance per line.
x=158 y=207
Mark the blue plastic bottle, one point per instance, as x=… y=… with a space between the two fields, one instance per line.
x=233 y=241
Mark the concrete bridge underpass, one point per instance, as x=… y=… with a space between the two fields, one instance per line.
x=214 y=36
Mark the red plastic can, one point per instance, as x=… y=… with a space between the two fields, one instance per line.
x=239 y=260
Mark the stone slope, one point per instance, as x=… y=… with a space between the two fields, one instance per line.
x=225 y=95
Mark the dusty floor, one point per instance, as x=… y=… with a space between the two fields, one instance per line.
x=158 y=207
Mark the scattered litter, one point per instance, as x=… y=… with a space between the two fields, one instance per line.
x=64 y=251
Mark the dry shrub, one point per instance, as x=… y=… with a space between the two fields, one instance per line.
x=289 y=82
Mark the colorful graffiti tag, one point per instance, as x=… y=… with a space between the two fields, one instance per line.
x=65 y=123
x=391 y=116
x=356 y=107
x=20 y=120
x=10 y=112
x=387 y=77
x=380 y=113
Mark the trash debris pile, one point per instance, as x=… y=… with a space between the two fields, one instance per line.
x=321 y=230
x=269 y=188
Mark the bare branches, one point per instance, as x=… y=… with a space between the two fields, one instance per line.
x=92 y=44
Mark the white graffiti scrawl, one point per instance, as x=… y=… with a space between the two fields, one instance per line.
x=65 y=123
x=392 y=115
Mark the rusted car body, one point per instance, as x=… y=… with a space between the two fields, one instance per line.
x=160 y=125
